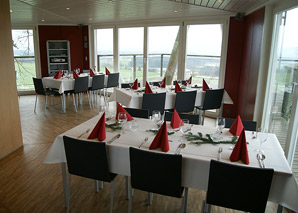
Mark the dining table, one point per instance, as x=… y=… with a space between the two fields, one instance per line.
x=66 y=83
x=196 y=157
x=133 y=98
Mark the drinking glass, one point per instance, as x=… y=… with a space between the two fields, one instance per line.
x=156 y=116
x=133 y=125
x=122 y=119
x=262 y=136
x=184 y=126
x=220 y=125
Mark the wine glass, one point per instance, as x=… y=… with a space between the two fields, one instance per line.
x=220 y=125
x=262 y=136
x=122 y=119
x=156 y=117
x=184 y=126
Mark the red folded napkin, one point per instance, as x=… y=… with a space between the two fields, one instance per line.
x=163 y=83
x=91 y=72
x=177 y=87
x=58 y=75
x=107 y=71
x=236 y=127
x=240 y=150
x=148 y=88
x=135 y=85
x=121 y=109
x=188 y=81
x=99 y=130
x=74 y=74
x=161 y=139
x=205 y=85
x=175 y=121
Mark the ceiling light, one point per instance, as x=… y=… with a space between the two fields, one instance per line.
x=175 y=11
x=90 y=19
x=219 y=0
x=11 y=11
x=42 y=20
x=67 y=8
x=110 y=0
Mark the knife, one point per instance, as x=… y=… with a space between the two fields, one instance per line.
x=114 y=138
x=259 y=159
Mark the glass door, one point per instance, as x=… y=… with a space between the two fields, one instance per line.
x=283 y=75
x=24 y=58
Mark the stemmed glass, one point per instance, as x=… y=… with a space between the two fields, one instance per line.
x=262 y=136
x=156 y=117
x=184 y=126
x=122 y=119
x=220 y=125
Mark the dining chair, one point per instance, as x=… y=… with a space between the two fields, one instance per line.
x=80 y=87
x=237 y=187
x=126 y=85
x=156 y=173
x=212 y=100
x=193 y=119
x=87 y=159
x=139 y=113
x=179 y=82
x=248 y=125
x=113 y=81
x=154 y=101
x=185 y=101
x=39 y=90
x=98 y=83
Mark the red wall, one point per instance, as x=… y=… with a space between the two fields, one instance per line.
x=75 y=35
x=243 y=61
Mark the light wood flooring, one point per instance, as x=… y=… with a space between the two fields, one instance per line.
x=27 y=185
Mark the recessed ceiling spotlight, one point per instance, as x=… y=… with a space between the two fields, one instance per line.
x=219 y=0
x=175 y=11
x=42 y=20
x=67 y=8
x=90 y=19
x=110 y=0
x=10 y=11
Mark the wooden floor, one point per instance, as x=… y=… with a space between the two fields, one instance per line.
x=27 y=185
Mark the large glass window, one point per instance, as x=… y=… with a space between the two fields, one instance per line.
x=131 y=44
x=203 y=52
x=104 y=41
x=161 y=42
x=283 y=75
x=23 y=49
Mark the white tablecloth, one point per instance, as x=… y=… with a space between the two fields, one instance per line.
x=64 y=84
x=133 y=99
x=196 y=159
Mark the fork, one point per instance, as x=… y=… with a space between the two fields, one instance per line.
x=84 y=133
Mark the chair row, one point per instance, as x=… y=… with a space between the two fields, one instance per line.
x=229 y=185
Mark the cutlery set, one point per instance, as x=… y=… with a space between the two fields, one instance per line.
x=114 y=138
x=179 y=148
x=261 y=159
x=84 y=133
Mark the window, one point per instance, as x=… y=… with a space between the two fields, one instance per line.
x=203 y=52
x=104 y=38
x=24 y=60
x=161 y=41
x=131 y=43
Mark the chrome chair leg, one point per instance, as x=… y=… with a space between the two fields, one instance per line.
x=35 y=104
x=89 y=100
x=150 y=198
x=129 y=201
x=74 y=101
x=68 y=192
x=185 y=200
x=101 y=184
x=45 y=104
x=96 y=185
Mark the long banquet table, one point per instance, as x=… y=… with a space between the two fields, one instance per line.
x=133 y=99
x=196 y=159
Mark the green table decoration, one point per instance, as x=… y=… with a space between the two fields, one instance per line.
x=199 y=139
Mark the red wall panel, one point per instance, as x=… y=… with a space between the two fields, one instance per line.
x=75 y=36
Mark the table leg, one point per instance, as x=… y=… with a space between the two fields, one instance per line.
x=64 y=103
x=64 y=182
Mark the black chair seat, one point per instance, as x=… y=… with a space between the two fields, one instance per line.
x=193 y=119
x=248 y=125
x=139 y=113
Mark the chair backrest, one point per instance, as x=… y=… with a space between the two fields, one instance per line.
x=193 y=119
x=248 y=125
x=154 y=101
x=81 y=84
x=179 y=82
x=87 y=159
x=139 y=113
x=238 y=187
x=213 y=99
x=126 y=85
x=38 y=86
x=98 y=82
x=185 y=101
x=113 y=80
x=156 y=172
x=154 y=83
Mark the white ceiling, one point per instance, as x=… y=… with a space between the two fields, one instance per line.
x=54 y=12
